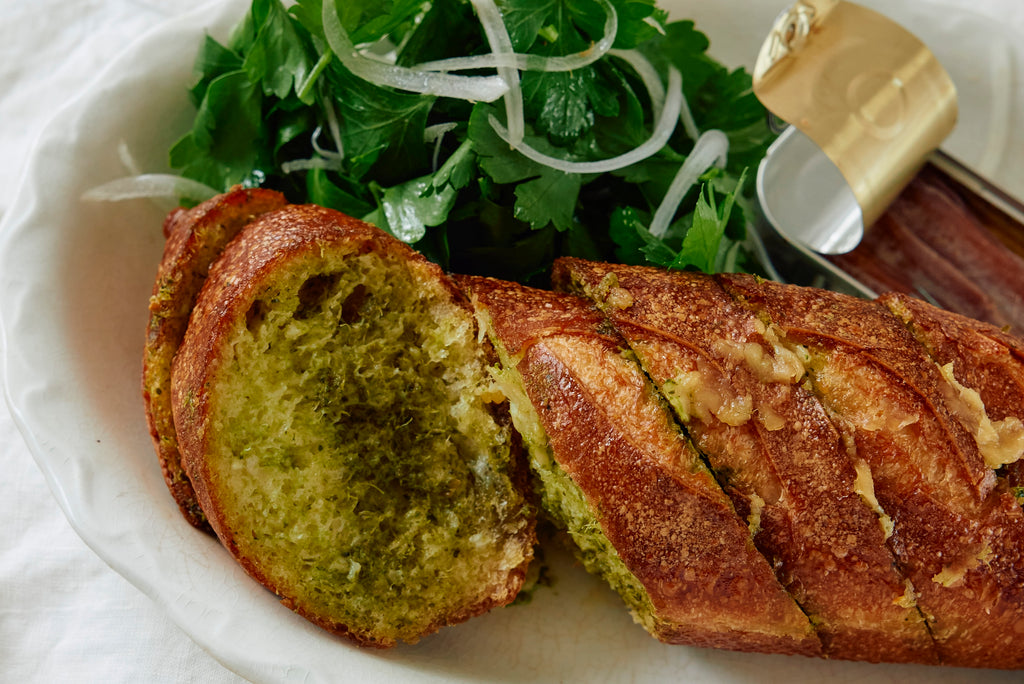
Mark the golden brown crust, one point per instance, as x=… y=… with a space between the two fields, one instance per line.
x=667 y=518
x=249 y=264
x=773 y=446
x=957 y=534
x=866 y=329
x=195 y=237
x=984 y=357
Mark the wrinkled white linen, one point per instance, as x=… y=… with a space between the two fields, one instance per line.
x=65 y=616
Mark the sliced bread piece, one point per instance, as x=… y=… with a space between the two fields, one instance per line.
x=195 y=238
x=344 y=437
x=740 y=395
x=617 y=473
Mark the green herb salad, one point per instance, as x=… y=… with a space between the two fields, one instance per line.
x=493 y=135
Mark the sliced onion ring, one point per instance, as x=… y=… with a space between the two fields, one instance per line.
x=497 y=36
x=435 y=134
x=711 y=148
x=652 y=82
x=472 y=88
x=528 y=62
x=659 y=138
x=311 y=163
x=648 y=76
x=149 y=186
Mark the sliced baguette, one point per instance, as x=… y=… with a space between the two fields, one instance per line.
x=615 y=471
x=195 y=238
x=740 y=395
x=343 y=435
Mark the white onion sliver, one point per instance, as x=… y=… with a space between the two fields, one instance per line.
x=659 y=138
x=658 y=26
x=652 y=82
x=127 y=160
x=437 y=131
x=471 y=88
x=435 y=134
x=686 y=117
x=319 y=149
x=497 y=36
x=528 y=62
x=334 y=128
x=312 y=163
x=147 y=186
x=711 y=148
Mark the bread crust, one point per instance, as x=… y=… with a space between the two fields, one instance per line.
x=194 y=239
x=248 y=264
x=986 y=359
x=957 y=533
x=666 y=517
x=780 y=456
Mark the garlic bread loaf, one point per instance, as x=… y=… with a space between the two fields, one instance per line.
x=615 y=471
x=195 y=238
x=343 y=435
x=751 y=466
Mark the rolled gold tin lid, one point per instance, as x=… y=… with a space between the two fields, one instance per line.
x=866 y=91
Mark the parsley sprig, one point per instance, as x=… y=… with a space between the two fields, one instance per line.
x=276 y=108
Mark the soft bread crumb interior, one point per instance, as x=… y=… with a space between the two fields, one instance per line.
x=357 y=452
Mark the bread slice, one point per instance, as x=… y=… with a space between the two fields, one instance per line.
x=739 y=393
x=957 y=535
x=344 y=437
x=195 y=237
x=616 y=472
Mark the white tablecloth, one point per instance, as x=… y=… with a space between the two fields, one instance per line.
x=64 y=615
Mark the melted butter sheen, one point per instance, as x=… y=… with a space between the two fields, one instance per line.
x=1000 y=442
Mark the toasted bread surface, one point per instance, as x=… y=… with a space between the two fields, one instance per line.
x=739 y=393
x=984 y=371
x=956 y=533
x=343 y=435
x=195 y=238
x=640 y=504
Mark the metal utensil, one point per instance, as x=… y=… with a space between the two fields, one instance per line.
x=866 y=101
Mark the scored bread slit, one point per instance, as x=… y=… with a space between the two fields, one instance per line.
x=768 y=440
x=643 y=509
x=975 y=357
x=957 y=531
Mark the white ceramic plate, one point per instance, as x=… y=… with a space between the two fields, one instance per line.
x=74 y=283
